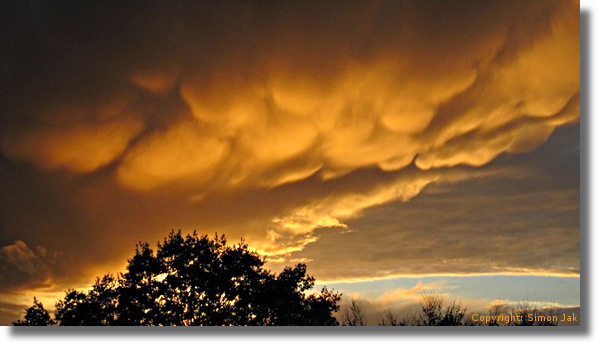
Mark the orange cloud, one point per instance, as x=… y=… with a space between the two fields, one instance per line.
x=185 y=152
x=411 y=295
x=278 y=123
x=80 y=148
x=284 y=124
x=440 y=99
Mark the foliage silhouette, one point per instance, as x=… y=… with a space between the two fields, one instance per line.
x=529 y=315
x=354 y=315
x=495 y=313
x=195 y=280
x=435 y=312
x=36 y=315
x=390 y=319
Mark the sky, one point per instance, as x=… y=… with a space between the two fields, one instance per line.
x=396 y=147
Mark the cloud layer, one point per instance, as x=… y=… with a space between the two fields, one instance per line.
x=21 y=265
x=262 y=102
x=311 y=129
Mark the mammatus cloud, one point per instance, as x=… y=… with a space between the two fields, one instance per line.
x=277 y=117
x=80 y=148
x=278 y=122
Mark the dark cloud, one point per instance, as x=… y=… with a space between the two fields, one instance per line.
x=11 y=312
x=252 y=87
x=490 y=224
x=21 y=266
x=291 y=124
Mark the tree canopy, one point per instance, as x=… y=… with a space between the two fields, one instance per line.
x=194 y=280
x=36 y=315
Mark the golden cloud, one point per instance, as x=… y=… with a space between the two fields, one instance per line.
x=182 y=152
x=273 y=119
x=277 y=118
x=81 y=148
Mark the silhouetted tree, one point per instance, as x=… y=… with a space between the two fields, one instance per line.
x=551 y=314
x=96 y=307
x=36 y=315
x=354 y=315
x=495 y=312
x=435 y=313
x=195 y=280
x=527 y=314
x=391 y=320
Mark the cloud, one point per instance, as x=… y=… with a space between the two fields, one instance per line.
x=413 y=91
x=182 y=153
x=292 y=230
x=404 y=296
x=402 y=302
x=10 y=312
x=313 y=130
x=81 y=148
x=21 y=266
x=481 y=225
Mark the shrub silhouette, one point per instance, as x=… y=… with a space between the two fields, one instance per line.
x=435 y=312
x=354 y=315
x=391 y=320
x=530 y=315
x=36 y=315
x=195 y=280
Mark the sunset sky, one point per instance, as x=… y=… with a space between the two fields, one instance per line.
x=396 y=147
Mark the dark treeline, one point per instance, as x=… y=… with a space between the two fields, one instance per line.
x=194 y=281
x=198 y=281
x=433 y=311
